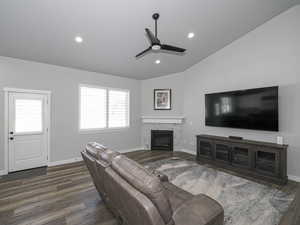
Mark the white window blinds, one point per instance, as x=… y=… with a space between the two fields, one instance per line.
x=92 y=108
x=28 y=117
x=103 y=108
x=118 y=108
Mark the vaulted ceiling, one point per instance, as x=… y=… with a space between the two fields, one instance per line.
x=113 y=31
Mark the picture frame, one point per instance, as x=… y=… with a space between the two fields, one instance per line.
x=162 y=99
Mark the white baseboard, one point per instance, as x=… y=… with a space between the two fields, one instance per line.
x=131 y=150
x=294 y=178
x=3 y=172
x=66 y=161
x=77 y=159
x=188 y=151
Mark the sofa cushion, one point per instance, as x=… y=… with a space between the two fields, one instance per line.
x=93 y=149
x=91 y=165
x=145 y=182
x=129 y=204
x=176 y=195
x=201 y=210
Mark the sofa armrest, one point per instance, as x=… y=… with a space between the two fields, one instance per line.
x=162 y=177
x=199 y=210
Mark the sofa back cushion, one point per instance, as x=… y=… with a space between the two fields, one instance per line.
x=145 y=182
x=129 y=204
x=91 y=165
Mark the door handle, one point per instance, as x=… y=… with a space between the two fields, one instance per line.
x=11 y=132
x=11 y=138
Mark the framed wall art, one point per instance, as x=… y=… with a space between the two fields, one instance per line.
x=162 y=99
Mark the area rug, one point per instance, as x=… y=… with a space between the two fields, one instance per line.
x=245 y=202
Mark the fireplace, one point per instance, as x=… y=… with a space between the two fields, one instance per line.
x=162 y=140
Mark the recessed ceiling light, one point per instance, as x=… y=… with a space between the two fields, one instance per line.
x=191 y=35
x=157 y=61
x=78 y=39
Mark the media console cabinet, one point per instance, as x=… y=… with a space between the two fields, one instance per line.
x=263 y=160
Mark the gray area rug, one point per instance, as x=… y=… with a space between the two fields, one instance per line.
x=245 y=202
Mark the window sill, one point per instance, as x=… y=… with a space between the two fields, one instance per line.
x=104 y=130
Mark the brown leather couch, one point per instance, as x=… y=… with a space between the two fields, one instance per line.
x=137 y=196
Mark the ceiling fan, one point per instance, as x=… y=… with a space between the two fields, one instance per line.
x=155 y=44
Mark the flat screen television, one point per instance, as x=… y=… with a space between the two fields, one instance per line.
x=255 y=109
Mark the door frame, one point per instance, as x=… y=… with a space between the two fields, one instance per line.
x=8 y=90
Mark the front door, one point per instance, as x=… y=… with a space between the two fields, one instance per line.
x=27 y=127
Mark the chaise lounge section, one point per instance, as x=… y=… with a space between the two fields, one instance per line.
x=138 y=196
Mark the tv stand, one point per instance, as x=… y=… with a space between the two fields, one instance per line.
x=262 y=160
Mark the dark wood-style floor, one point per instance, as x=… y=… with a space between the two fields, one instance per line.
x=65 y=195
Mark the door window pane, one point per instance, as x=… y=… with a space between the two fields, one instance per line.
x=28 y=115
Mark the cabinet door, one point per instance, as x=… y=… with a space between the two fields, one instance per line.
x=205 y=148
x=241 y=156
x=267 y=161
x=223 y=152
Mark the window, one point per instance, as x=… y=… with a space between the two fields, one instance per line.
x=102 y=108
x=118 y=102
x=28 y=117
x=92 y=108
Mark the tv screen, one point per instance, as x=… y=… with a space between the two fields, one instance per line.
x=255 y=109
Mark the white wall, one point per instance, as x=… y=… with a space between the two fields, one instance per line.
x=66 y=141
x=175 y=82
x=267 y=56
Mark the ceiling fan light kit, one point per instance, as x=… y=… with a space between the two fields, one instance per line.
x=155 y=44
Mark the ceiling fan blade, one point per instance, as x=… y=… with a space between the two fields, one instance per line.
x=143 y=52
x=152 y=38
x=172 y=48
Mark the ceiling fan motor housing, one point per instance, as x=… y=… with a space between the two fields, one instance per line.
x=155 y=16
x=156 y=47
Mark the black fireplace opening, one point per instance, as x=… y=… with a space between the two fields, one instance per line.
x=162 y=140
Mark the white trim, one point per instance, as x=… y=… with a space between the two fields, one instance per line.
x=19 y=90
x=131 y=150
x=78 y=159
x=294 y=178
x=7 y=90
x=48 y=129
x=188 y=151
x=2 y=173
x=103 y=87
x=5 y=132
x=163 y=119
x=107 y=128
x=66 y=161
x=103 y=130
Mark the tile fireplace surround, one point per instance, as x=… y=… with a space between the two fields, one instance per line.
x=173 y=123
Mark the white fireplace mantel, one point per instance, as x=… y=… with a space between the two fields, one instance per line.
x=163 y=119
